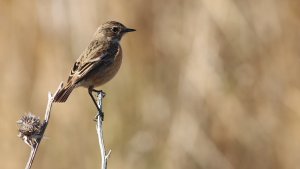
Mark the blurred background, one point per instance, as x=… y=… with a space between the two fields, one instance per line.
x=203 y=85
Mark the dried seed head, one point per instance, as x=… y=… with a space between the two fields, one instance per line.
x=29 y=128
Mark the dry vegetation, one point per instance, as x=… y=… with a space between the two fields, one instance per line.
x=205 y=84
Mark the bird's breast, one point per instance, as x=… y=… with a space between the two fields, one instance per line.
x=104 y=72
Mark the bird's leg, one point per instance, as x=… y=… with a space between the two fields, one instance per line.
x=100 y=112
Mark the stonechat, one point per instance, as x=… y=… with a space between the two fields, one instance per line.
x=99 y=62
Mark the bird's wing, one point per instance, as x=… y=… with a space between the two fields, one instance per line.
x=96 y=53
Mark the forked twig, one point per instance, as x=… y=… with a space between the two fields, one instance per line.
x=32 y=131
x=99 y=128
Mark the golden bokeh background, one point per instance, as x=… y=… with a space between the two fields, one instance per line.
x=204 y=84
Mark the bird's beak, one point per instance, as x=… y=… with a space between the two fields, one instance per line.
x=128 y=30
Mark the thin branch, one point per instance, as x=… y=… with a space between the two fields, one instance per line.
x=36 y=142
x=99 y=128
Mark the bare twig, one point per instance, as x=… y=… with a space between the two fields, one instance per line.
x=35 y=139
x=99 y=129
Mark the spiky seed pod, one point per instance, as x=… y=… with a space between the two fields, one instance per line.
x=29 y=128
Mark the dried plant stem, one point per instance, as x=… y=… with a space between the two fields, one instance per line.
x=32 y=155
x=35 y=146
x=99 y=128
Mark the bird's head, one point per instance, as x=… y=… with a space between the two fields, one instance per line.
x=112 y=30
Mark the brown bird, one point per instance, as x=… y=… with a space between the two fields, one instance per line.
x=99 y=62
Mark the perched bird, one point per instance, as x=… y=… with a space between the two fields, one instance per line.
x=99 y=62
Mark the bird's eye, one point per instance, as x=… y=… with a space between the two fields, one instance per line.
x=115 y=29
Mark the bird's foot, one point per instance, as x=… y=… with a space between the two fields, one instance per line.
x=99 y=91
x=101 y=114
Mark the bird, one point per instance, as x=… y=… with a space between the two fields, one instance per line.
x=98 y=63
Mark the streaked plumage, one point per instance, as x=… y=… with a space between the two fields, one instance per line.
x=99 y=62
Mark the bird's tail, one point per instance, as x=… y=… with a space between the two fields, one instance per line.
x=63 y=94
